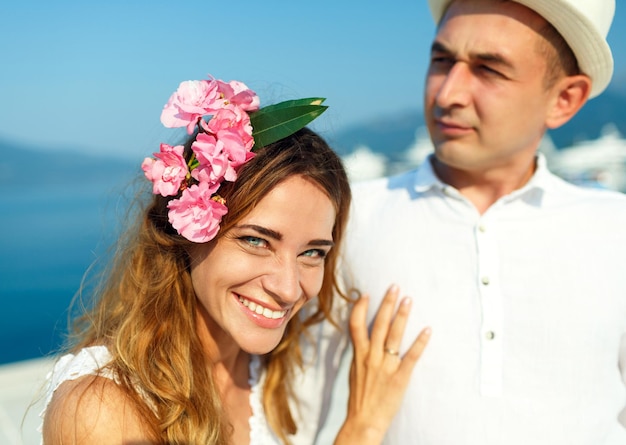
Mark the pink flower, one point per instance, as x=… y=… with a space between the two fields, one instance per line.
x=237 y=147
x=237 y=93
x=223 y=143
x=228 y=120
x=196 y=215
x=213 y=162
x=192 y=100
x=220 y=158
x=167 y=171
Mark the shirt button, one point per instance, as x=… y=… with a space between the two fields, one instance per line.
x=485 y=280
x=489 y=335
x=482 y=228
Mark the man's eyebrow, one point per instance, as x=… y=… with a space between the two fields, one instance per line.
x=490 y=57
x=438 y=47
x=494 y=58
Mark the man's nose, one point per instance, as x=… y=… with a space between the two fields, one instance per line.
x=455 y=87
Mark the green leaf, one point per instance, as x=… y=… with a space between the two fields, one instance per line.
x=294 y=103
x=275 y=122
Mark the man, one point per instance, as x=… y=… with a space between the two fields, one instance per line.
x=521 y=275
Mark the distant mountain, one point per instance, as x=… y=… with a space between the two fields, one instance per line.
x=389 y=135
x=393 y=134
x=25 y=165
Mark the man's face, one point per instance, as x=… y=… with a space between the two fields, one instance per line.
x=485 y=101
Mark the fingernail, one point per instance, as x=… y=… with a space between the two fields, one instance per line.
x=406 y=301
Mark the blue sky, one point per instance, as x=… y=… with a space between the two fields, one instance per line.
x=94 y=76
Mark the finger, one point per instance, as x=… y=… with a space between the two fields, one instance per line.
x=383 y=318
x=358 y=324
x=398 y=325
x=414 y=353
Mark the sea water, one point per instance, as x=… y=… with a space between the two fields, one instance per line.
x=49 y=236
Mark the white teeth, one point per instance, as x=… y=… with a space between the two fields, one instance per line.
x=260 y=310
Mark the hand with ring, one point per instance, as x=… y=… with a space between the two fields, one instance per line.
x=378 y=374
x=391 y=351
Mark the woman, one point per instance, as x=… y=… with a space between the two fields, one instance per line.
x=194 y=335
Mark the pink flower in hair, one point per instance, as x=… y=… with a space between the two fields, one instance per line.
x=231 y=120
x=192 y=100
x=237 y=93
x=213 y=165
x=217 y=114
x=237 y=147
x=219 y=159
x=167 y=171
x=196 y=215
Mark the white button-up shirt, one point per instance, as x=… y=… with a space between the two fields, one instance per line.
x=527 y=303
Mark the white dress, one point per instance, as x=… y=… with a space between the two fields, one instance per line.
x=91 y=360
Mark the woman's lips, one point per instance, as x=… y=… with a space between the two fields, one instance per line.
x=261 y=310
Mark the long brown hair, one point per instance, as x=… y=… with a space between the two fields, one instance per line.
x=144 y=312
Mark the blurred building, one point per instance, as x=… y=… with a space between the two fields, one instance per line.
x=597 y=163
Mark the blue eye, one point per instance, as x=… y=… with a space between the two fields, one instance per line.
x=254 y=241
x=315 y=253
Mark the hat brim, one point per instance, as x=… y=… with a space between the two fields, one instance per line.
x=590 y=48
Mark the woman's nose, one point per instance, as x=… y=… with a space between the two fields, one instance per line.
x=283 y=281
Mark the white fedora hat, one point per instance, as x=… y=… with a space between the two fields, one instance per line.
x=584 y=24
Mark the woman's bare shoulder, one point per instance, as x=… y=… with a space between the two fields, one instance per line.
x=91 y=410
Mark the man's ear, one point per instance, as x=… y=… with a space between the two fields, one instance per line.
x=571 y=93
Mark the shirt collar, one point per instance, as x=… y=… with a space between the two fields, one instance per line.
x=425 y=179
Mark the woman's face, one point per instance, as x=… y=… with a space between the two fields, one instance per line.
x=253 y=279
